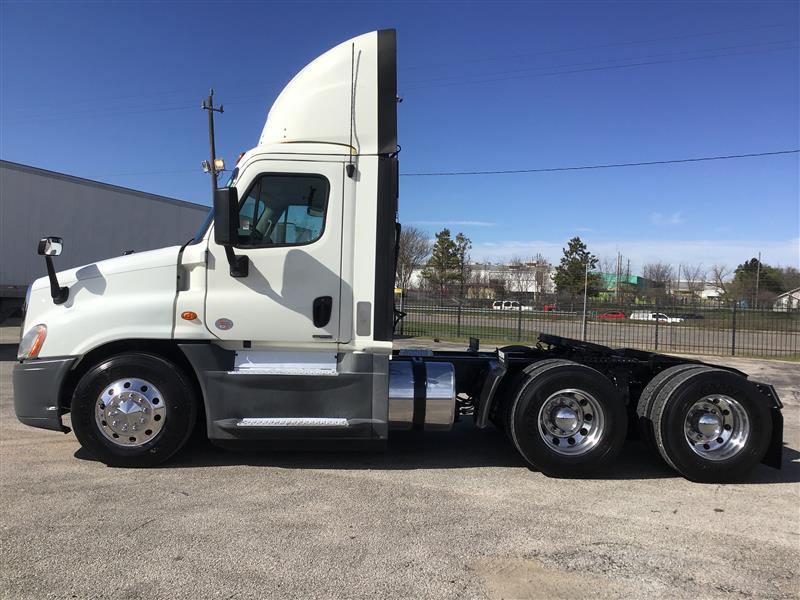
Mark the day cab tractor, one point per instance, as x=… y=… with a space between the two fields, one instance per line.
x=275 y=322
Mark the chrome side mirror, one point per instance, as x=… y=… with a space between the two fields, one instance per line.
x=50 y=246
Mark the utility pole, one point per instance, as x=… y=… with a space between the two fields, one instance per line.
x=209 y=106
x=758 y=277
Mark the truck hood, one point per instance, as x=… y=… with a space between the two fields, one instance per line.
x=109 y=300
x=152 y=259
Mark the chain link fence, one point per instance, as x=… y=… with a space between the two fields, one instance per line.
x=669 y=326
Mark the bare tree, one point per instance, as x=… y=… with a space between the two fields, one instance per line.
x=719 y=276
x=695 y=277
x=520 y=275
x=607 y=264
x=414 y=248
x=541 y=273
x=661 y=274
x=483 y=286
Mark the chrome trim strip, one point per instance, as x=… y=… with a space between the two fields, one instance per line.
x=292 y=422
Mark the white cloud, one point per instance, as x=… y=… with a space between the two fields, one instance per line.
x=457 y=223
x=706 y=252
x=675 y=218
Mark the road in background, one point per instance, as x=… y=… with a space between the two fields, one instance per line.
x=773 y=335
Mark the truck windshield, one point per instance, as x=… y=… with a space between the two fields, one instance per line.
x=201 y=231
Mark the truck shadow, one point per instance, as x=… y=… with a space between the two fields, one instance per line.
x=462 y=448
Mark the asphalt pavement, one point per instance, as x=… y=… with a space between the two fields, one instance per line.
x=453 y=515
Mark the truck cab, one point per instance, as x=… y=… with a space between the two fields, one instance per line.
x=275 y=323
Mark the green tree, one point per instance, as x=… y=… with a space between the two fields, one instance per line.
x=571 y=273
x=463 y=245
x=443 y=267
x=769 y=282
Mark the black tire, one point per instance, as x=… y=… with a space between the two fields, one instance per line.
x=647 y=399
x=509 y=389
x=670 y=410
x=523 y=419
x=178 y=398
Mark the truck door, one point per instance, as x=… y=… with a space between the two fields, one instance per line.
x=290 y=229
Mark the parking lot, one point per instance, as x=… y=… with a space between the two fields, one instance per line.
x=453 y=515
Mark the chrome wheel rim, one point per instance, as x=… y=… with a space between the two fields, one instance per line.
x=571 y=422
x=716 y=427
x=130 y=412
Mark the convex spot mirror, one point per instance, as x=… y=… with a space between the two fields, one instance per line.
x=50 y=246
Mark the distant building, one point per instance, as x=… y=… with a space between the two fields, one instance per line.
x=787 y=301
x=491 y=281
x=696 y=289
x=96 y=221
x=626 y=285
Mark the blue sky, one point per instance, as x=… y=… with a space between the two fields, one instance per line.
x=111 y=91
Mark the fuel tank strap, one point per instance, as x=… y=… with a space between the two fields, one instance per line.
x=420 y=392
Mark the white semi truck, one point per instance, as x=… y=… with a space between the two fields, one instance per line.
x=275 y=322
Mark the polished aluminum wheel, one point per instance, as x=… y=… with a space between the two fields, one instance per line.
x=571 y=421
x=130 y=412
x=716 y=427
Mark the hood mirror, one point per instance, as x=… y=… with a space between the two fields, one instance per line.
x=50 y=246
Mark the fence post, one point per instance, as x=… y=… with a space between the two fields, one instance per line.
x=458 y=326
x=519 y=323
x=657 y=320
x=733 y=331
x=402 y=309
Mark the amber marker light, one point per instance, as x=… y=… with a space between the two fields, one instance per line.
x=188 y=315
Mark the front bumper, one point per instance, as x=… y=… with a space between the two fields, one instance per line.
x=37 y=391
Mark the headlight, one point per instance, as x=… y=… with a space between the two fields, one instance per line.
x=32 y=342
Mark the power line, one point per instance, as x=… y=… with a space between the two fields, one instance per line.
x=606 y=166
x=609 y=60
x=601 y=46
x=590 y=69
x=515 y=171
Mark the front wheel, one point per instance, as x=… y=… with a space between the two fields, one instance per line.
x=133 y=410
x=567 y=420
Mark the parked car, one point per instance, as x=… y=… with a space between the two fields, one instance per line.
x=549 y=307
x=646 y=315
x=691 y=316
x=509 y=305
x=612 y=314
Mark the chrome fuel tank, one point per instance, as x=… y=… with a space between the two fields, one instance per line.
x=422 y=395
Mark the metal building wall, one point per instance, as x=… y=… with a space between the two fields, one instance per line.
x=95 y=219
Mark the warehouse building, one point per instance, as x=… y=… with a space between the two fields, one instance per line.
x=96 y=221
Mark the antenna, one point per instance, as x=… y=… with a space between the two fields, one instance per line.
x=350 y=167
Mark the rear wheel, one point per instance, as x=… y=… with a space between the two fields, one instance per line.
x=711 y=425
x=567 y=420
x=133 y=410
x=506 y=393
x=648 y=398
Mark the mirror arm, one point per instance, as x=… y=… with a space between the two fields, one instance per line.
x=239 y=264
x=58 y=293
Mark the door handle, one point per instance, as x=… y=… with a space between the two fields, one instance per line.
x=322 y=310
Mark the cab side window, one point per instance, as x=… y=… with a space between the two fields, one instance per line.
x=283 y=210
